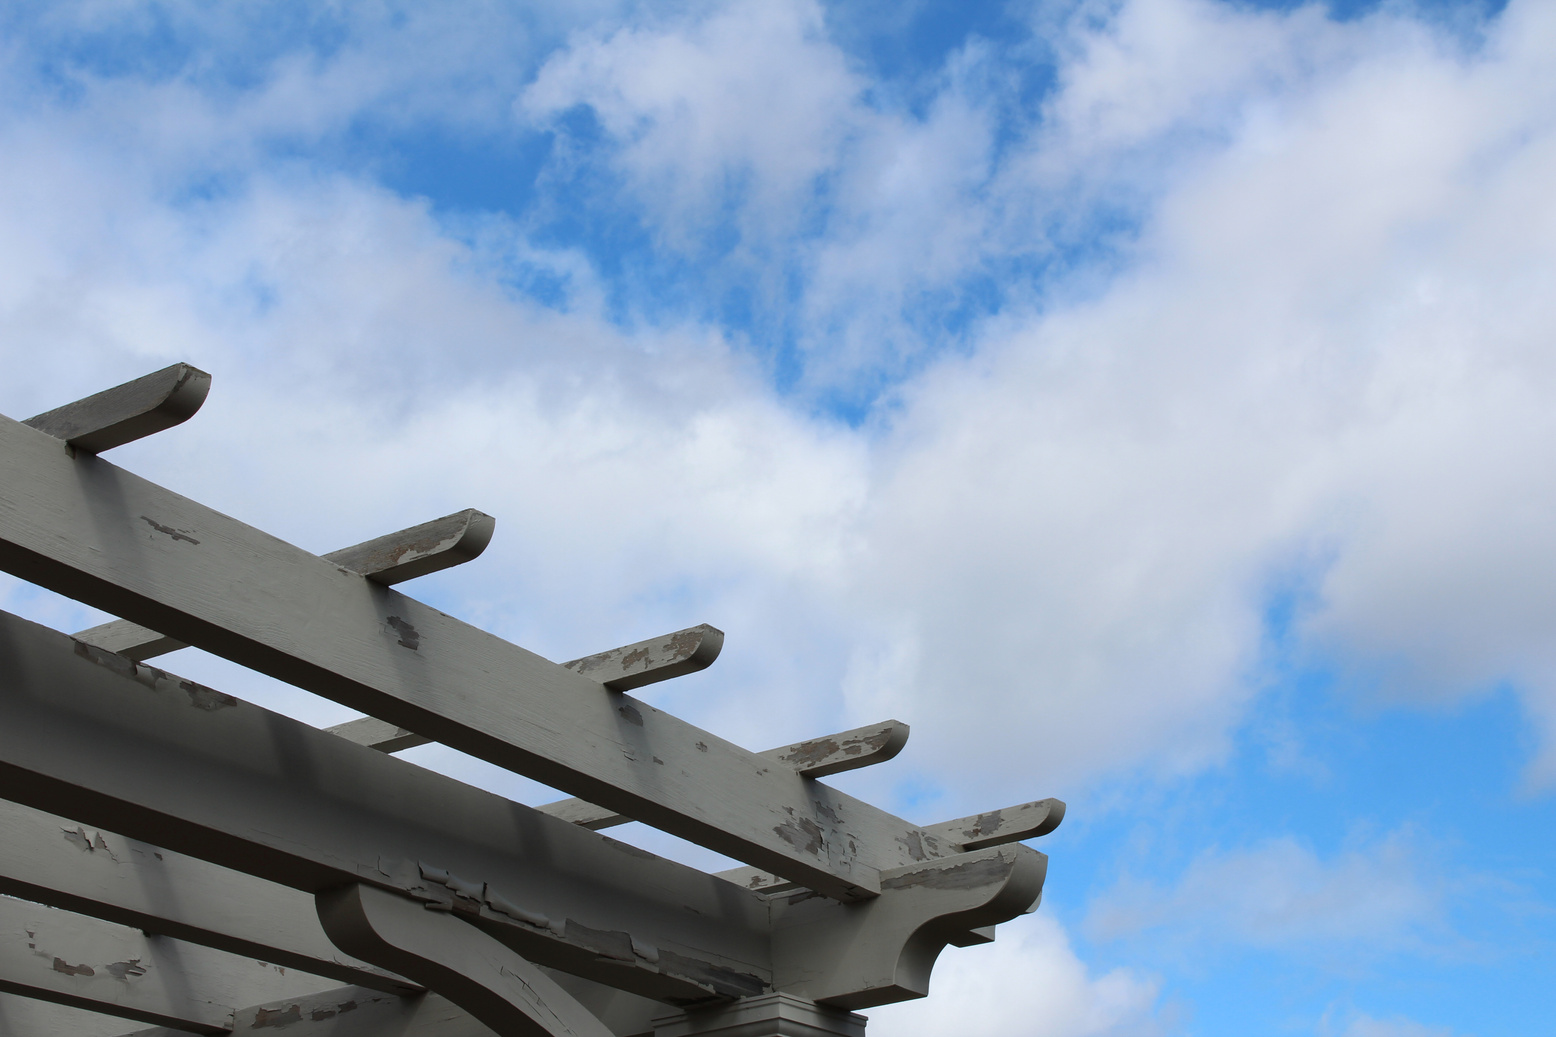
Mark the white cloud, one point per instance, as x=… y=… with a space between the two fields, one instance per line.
x=750 y=98
x=1028 y=983
x=1281 y=895
x=1053 y=559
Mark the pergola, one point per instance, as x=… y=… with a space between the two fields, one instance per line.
x=173 y=857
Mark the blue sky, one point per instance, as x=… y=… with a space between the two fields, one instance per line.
x=1146 y=400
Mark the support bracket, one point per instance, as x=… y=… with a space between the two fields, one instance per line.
x=484 y=977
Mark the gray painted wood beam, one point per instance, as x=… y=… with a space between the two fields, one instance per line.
x=87 y=963
x=87 y=529
x=345 y=1012
x=90 y=735
x=812 y=758
x=28 y=1017
x=998 y=827
x=479 y=974
x=394 y=558
x=635 y=665
x=649 y=662
x=128 y=412
x=51 y=860
x=995 y=828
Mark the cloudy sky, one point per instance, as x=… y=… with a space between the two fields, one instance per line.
x=1149 y=401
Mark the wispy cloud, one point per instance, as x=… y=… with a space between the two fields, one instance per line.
x=1280 y=895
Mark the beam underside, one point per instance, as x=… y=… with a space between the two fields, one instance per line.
x=201 y=773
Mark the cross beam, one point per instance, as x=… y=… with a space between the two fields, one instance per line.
x=94 y=736
x=51 y=860
x=394 y=558
x=188 y=768
x=86 y=963
x=87 y=529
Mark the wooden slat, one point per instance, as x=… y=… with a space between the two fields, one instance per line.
x=998 y=827
x=995 y=828
x=647 y=662
x=89 y=530
x=345 y=1012
x=128 y=412
x=87 y=963
x=812 y=758
x=428 y=548
x=51 y=860
x=394 y=558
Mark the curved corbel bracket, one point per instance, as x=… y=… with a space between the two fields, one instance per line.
x=455 y=959
x=876 y=952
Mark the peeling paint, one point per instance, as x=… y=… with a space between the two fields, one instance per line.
x=502 y=905
x=959 y=876
x=276 y=1017
x=169 y=531
x=606 y=943
x=318 y=1015
x=632 y=659
x=208 y=699
x=684 y=643
x=804 y=835
x=722 y=980
x=808 y=754
x=985 y=824
x=61 y=965
x=126 y=969
x=913 y=842
x=409 y=638
x=631 y=714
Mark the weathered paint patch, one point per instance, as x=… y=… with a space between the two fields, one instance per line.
x=208 y=699
x=125 y=969
x=986 y=824
x=803 y=834
x=720 y=979
x=808 y=754
x=78 y=838
x=630 y=714
x=409 y=638
x=913 y=842
x=169 y=531
x=959 y=876
x=606 y=943
x=276 y=1017
x=318 y=1015
x=684 y=643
